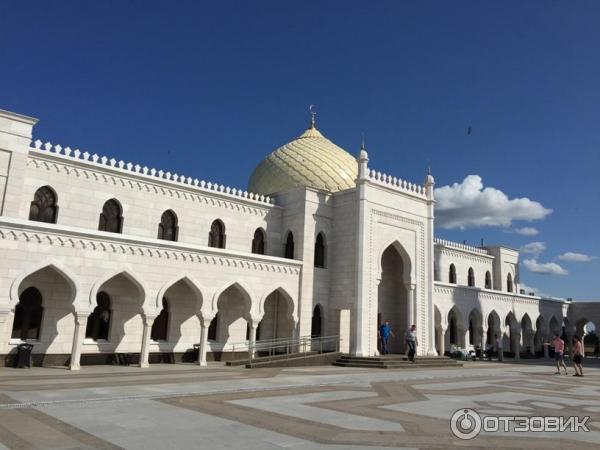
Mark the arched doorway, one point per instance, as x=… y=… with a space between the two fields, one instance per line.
x=233 y=318
x=456 y=331
x=527 y=335
x=540 y=336
x=277 y=321
x=43 y=313
x=494 y=330
x=392 y=304
x=316 y=327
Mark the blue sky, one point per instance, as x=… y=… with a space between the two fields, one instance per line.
x=208 y=89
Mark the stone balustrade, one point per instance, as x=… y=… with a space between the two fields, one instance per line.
x=67 y=152
x=396 y=183
x=460 y=246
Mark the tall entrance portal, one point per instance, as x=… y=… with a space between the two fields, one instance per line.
x=392 y=304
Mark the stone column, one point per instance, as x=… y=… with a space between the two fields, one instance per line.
x=145 y=351
x=363 y=344
x=81 y=319
x=546 y=347
x=253 y=326
x=442 y=349
x=483 y=339
x=204 y=324
x=410 y=305
x=517 y=344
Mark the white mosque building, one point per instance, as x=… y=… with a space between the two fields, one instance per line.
x=100 y=256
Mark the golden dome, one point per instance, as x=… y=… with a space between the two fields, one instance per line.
x=309 y=160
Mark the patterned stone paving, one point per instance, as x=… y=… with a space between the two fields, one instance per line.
x=299 y=408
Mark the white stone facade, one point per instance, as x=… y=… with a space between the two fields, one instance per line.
x=381 y=262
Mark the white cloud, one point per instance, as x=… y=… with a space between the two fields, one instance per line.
x=533 y=248
x=549 y=268
x=536 y=291
x=527 y=231
x=469 y=204
x=575 y=257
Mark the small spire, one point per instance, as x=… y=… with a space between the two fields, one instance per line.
x=363 y=142
x=313 y=114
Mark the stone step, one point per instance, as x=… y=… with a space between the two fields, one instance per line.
x=395 y=362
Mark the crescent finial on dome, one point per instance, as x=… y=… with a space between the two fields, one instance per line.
x=313 y=115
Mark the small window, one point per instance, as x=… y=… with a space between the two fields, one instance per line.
x=111 y=217
x=44 y=206
x=452 y=274
x=98 y=324
x=28 y=315
x=488 y=280
x=289 y=246
x=168 y=229
x=320 y=251
x=471 y=277
x=212 y=328
x=509 y=283
x=216 y=236
x=160 y=327
x=258 y=242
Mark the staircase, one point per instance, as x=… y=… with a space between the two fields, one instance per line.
x=396 y=362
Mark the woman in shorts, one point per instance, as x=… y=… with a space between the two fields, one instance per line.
x=577 y=356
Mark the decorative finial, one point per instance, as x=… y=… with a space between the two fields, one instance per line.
x=363 y=142
x=313 y=114
x=428 y=166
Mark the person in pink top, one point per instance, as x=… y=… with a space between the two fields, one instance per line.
x=577 y=356
x=559 y=353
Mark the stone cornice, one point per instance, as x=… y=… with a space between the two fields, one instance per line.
x=59 y=235
x=488 y=294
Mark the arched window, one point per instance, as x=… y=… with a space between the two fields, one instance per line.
x=111 y=218
x=28 y=315
x=509 y=283
x=98 y=324
x=216 y=236
x=167 y=228
x=160 y=327
x=488 y=280
x=258 y=242
x=212 y=328
x=320 y=251
x=471 y=277
x=315 y=328
x=452 y=274
x=289 y=246
x=44 y=206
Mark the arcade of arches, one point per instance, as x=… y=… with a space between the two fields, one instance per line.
x=118 y=320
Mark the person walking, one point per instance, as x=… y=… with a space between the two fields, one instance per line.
x=385 y=331
x=577 y=356
x=559 y=353
x=499 y=349
x=412 y=342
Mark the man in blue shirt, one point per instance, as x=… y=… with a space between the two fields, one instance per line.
x=385 y=331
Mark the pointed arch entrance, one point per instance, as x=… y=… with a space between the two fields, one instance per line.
x=393 y=304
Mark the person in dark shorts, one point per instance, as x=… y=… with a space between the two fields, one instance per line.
x=559 y=353
x=411 y=342
x=577 y=356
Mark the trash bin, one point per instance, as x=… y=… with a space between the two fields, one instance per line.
x=24 y=355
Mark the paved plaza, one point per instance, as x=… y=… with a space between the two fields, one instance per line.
x=218 y=407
